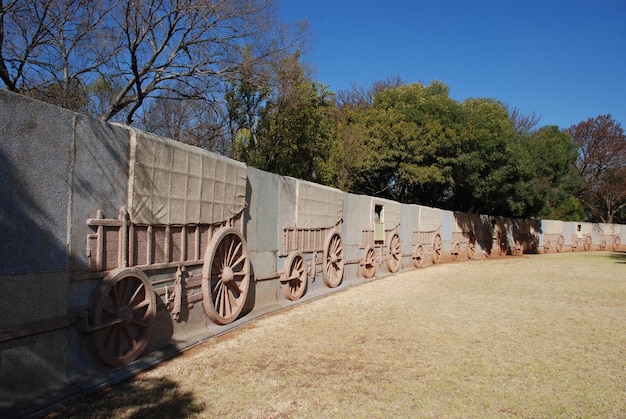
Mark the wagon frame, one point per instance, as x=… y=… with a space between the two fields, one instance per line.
x=426 y=240
x=136 y=263
x=297 y=271
x=463 y=241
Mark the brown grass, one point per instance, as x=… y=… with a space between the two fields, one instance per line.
x=531 y=336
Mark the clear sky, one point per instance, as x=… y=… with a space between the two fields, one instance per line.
x=565 y=60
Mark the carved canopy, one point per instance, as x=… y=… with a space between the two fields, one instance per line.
x=174 y=183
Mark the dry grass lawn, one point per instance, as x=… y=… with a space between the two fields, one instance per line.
x=531 y=336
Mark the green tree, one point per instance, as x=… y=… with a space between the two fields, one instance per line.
x=546 y=180
x=401 y=130
x=246 y=95
x=481 y=160
x=296 y=129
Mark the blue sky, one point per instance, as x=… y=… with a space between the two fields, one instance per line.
x=565 y=60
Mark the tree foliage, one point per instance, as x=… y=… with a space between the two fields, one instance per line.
x=415 y=144
x=295 y=130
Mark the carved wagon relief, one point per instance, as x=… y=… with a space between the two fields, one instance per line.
x=315 y=230
x=184 y=211
x=380 y=241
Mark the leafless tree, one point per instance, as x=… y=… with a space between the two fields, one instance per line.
x=119 y=55
x=52 y=49
x=523 y=124
x=362 y=97
x=602 y=166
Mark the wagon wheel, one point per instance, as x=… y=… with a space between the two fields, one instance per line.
x=394 y=257
x=368 y=263
x=124 y=315
x=503 y=248
x=332 y=272
x=418 y=254
x=456 y=249
x=471 y=249
x=617 y=242
x=603 y=245
x=587 y=243
x=225 y=276
x=546 y=247
x=519 y=249
x=294 y=279
x=560 y=244
x=437 y=249
x=574 y=245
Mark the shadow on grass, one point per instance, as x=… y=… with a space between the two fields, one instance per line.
x=618 y=257
x=137 y=398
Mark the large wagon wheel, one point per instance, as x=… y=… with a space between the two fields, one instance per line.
x=471 y=249
x=394 y=257
x=437 y=249
x=418 y=255
x=574 y=245
x=124 y=315
x=546 y=246
x=225 y=276
x=617 y=242
x=368 y=263
x=560 y=244
x=332 y=271
x=294 y=278
x=587 y=243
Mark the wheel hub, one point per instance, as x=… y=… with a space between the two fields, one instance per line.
x=125 y=313
x=228 y=275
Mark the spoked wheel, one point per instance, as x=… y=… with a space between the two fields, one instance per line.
x=519 y=249
x=394 y=257
x=560 y=244
x=456 y=250
x=603 y=245
x=124 y=316
x=332 y=272
x=471 y=249
x=546 y=247
x=587 y=243
x=617 y=243
x=503 y=249
x=437 y=249
x=225 y=276
x=574 y=245
x=294 y=279
x=368 y=263
x=418 y=255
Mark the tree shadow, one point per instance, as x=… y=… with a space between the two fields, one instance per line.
x=506 y=233
x=136 y=398
x=618 y=257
